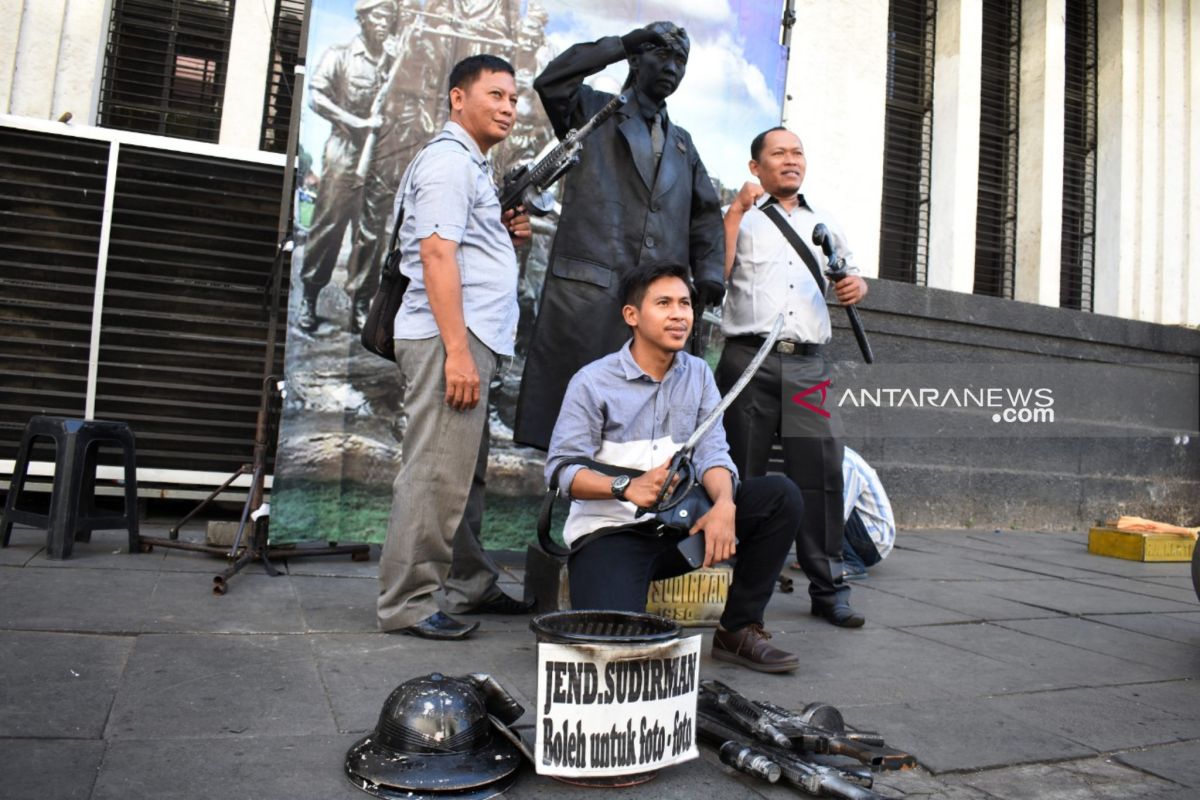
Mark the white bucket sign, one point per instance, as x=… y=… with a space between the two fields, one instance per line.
x=606 y=710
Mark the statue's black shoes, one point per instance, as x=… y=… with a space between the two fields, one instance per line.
x=503 y=604
x=840 y=614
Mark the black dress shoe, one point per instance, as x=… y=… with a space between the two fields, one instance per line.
x=440 y=626
x=503 y=604
x=840 y=614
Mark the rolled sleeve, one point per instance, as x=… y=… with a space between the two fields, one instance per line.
x=443 y=194
x=712 y=450
x=577 y=432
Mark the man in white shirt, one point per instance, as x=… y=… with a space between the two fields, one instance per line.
x=769 y=272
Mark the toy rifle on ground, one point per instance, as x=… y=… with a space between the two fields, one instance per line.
x=530 y=186
x=764 y=735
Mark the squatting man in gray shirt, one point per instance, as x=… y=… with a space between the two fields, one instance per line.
x=632 y=410
x=458 y=317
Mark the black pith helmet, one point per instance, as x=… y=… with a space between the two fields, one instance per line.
x=433 y=739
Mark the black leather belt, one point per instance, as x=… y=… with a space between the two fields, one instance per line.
x=785 y=347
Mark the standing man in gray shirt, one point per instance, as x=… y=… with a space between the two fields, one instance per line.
x=767 y=276
x=459 y=316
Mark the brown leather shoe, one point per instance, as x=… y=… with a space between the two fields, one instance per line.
x=748 y=647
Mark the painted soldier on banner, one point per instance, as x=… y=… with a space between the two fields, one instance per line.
x=342 y=89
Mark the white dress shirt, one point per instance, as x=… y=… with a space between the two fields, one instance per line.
x=770 y=278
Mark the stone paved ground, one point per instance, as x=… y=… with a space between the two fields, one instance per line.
x=1013 y=664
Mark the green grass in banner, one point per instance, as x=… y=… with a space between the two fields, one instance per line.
x=351 y=512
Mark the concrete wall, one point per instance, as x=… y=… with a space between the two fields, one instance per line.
x=1031 y=483
x=52 y=61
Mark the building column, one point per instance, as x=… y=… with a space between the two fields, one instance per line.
x=845 y=169
x=10 y=37
x=81 y=60
x=40 y=35
x=954 y=167
x=1173 y=232
x=1040 y=153
x=1191 y=275
x=1147 y=276
x=246 y=75
x=1118 y=148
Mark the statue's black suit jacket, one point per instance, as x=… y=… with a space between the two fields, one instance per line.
x=618 y=212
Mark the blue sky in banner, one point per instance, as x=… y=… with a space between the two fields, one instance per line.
x=733 y=88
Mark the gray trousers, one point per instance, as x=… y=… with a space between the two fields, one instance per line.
x=437 y=499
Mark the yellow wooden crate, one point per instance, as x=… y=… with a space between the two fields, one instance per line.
x=693 y=599
x=1136 y=546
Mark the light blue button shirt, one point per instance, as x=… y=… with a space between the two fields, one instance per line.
x=448 y=190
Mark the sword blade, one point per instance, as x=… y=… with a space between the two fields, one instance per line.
x=737 y=388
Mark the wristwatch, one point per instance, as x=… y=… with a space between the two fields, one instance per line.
x=619 y=485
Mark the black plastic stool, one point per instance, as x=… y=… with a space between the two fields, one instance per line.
x=71 y=515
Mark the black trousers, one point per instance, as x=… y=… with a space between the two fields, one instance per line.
x=813 y=460
x=614 y=571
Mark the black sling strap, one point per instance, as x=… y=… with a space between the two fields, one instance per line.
x=544 y=516
x=789 y=233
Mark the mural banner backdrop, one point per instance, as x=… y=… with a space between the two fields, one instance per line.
x=343 y=414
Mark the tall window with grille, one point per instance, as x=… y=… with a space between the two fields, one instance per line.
x=1079 y=158
x=165 y=65
x=996 y=217
x=285 y=54
x=908 y=125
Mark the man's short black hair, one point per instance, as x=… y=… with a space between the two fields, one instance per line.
x=467 y=71
x=756 y=146
x=635 y=284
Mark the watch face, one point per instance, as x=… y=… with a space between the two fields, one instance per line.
x=618 y=485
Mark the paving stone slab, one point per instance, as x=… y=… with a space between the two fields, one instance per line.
x=194 y=685
x=962 y=734
x=58 y=684
x=259 y=767
x=968 y=599
x=337 y=566
x=1178 y=698
x=184 y=602
x=1182 y=593
x=360 y=670
x=84 y=600
x=1038 y=663
x=1073 y=597
x=106 y=550
x=337 y=605
x=883 y=606
x=1121 y=567
x=920 y=784
x=1101 y=719
x=1183 y=628
x=1178 y=763
x=849 y=668
x=1093 y=778
x=908 y=562
x=1033 y=565
x=1165 y=658
x=37 y=769
x=24 y=544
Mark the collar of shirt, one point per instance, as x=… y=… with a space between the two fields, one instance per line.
x=648 y=111
x=770 y=199
x=460 y=133
x=634 y=372
x=358 y=48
